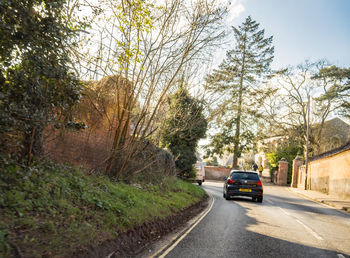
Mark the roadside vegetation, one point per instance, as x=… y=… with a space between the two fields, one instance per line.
x=114 y=89
x=185 y=125
x=88 y=85
x=47 y=209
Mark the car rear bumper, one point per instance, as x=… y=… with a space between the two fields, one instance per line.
x=239 y=192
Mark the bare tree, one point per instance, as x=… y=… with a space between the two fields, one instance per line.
x=293 y=87
x=148 y=46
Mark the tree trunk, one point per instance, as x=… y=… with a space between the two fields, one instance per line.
x=236 y=148
x=32 y=143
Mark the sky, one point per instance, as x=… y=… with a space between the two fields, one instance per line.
x=302 y=29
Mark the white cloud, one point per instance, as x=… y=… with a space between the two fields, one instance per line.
x=235 y=10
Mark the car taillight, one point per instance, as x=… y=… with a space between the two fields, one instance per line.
x=259 y=183
x=230 y=181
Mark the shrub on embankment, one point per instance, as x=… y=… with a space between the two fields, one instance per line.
x=47 y=209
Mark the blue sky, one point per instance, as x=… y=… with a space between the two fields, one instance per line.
x=302 y=29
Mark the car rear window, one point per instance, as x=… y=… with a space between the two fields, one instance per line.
x=247 y=176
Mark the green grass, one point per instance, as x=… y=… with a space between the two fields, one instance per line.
x=49 y=209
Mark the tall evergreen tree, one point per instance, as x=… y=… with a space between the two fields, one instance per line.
x=236 y=81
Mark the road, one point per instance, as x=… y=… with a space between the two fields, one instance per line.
x=284 y=225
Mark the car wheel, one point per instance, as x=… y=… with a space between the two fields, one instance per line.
x=227 y=197
x=260 y=199
x=224 y=195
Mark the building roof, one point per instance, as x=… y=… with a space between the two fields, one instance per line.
x=333 y=122
x=331 y=152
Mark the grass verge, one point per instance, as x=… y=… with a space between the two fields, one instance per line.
x=48 y=209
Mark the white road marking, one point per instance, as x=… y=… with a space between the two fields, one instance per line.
x=184 y=235
x=310 y=230
x=268 y=201
x=317 y=236
x=340 y=256
x=286 y=212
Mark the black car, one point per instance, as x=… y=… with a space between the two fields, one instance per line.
x=243 y=183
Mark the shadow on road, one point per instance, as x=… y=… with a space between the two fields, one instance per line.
x=226 y=232
x=290 y=203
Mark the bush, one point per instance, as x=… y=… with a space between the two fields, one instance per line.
x=289 y=152
x=184 y=126
x=149 y=164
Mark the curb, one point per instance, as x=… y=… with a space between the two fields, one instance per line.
x=345 y=210
x=183 y=233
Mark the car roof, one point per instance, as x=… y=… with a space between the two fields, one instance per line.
x=243 y=171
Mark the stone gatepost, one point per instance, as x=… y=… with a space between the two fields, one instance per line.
x=275 y=177
x=297 y=162
x=282 y=172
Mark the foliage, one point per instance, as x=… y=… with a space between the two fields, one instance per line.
x=54 y=209
x=289 y=151
x=236 y=82
x=149 y=44
x=212 y=161
x=184 y=127
x=149 y=165
x=36 y=84
x=323 y=85
x=272 y=163
x=339 y=87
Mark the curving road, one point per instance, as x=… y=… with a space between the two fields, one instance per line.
x=284 y=225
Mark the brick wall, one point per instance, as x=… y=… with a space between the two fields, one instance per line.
x=216 y=173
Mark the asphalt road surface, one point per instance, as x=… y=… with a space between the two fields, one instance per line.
x=284 y=225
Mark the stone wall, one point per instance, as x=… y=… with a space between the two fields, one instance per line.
x=331 y=174
x=297 y=163
x=216 y=173
x=328 y=173
x=301 y=177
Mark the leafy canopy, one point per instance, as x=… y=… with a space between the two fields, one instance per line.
x=35 y=80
